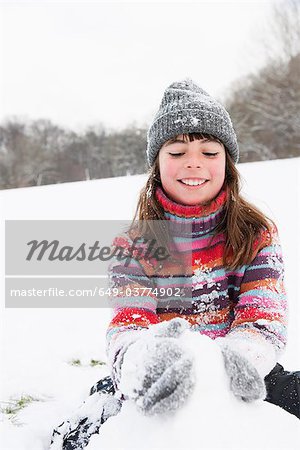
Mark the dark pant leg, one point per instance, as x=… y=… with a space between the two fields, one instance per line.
x=283 y=389
x=105 y=385
x=75 y=435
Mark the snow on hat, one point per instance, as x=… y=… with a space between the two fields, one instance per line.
x=187 y=108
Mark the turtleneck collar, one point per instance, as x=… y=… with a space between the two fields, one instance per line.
x=201 y=219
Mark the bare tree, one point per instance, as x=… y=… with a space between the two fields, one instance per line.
x=266 y=106
x=281 y=38
x=39 y=152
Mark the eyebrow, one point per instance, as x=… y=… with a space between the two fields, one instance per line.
x=182 y=141
x=174 y=141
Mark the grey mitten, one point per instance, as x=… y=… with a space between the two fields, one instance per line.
x=157 y=373
x=170 y=328
x=245 y=381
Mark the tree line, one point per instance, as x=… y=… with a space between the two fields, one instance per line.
x=265 y=109
x=39 y=152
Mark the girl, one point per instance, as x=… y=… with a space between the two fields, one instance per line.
x=224 y=259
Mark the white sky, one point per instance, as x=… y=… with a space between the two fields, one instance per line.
x=80 y=63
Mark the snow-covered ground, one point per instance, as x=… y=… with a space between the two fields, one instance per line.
x=46 y=354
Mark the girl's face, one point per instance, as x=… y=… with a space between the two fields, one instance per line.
x=192 y=173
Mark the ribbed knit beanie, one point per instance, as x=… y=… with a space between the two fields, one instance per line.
x=187 y=108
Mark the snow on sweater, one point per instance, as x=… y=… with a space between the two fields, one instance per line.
x=244 y=308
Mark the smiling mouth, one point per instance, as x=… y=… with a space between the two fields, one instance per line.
x=193 y=183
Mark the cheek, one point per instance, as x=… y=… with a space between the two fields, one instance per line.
x=167 y=169
x=218 y=171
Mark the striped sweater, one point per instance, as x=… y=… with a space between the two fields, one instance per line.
x=244 y=308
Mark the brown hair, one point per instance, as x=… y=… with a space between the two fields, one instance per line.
x=242 y=223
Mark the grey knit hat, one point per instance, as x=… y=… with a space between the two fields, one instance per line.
x=186 y=108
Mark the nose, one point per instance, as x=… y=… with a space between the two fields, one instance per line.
x=197 y=166
x=193 y=162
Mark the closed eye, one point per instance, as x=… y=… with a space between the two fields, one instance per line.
x=209 y=154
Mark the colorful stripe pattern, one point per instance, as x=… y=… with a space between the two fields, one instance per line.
x=247 y=302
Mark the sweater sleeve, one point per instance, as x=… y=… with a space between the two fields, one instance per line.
x=258 y=330
x=133 y=301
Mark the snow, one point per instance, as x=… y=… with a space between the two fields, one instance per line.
x=39 y=345
x=211 y=418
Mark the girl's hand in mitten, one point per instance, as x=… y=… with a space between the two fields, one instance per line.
x=157 y=372
x=245 y=381
x=170 y=328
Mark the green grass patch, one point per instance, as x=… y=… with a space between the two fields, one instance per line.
x=91 y=363
x=75 y=362
x=96 y=362
x=13 y=406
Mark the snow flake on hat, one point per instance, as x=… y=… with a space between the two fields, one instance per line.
x=194 y=120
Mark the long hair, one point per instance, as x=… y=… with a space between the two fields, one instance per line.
x=242 y=223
